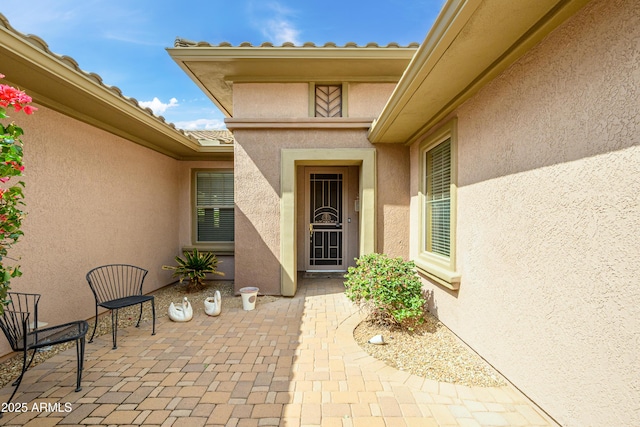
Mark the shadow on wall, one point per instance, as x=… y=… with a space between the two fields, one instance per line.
x=255 y=263
x=431 y=305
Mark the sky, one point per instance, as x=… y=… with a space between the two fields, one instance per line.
x=125 y=41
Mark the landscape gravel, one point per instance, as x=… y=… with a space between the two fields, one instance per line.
x=431 y=351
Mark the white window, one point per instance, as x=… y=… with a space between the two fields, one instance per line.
x=437 y=199
x=214 y=207
x=438 y=206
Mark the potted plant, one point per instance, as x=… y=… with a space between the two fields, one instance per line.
x=194 y=268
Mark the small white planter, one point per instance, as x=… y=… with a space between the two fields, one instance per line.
x=249 y=297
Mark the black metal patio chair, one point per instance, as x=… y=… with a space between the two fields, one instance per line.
x=19 y=322
x=117 y=286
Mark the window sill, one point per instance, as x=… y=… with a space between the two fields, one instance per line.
x=439 y=274
x=216 y=248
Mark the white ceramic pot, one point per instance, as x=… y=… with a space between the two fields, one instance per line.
x=249 y=297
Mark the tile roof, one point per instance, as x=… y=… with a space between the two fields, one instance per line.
x=180 y=42
x=68 y=61
x=212 y=137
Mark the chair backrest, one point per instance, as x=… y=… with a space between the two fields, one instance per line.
x=15 y=319
x=115 y=281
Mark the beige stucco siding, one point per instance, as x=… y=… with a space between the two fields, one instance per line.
x=548 y=214
x=270 y=100
x=367 y=99
x=393 y=200
x=92 y=198
x=258 y=171
x=291 y=100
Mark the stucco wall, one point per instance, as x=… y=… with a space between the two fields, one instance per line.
x=92 y=198
x=289 y=100
x=258 y=169
x=548 y=214
x=368 y=99
x=270 y=100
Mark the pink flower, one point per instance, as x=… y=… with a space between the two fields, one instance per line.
x=10 y=96
x=28 y=109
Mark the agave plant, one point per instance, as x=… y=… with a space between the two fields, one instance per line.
x=194 y=267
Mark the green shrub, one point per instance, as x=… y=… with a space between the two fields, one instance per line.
x=194 y=268
x=388 y=288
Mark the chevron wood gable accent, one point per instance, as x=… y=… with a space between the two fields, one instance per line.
x=328 y=101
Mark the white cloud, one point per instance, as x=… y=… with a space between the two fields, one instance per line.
x=275 y=23
x=157 y=106
x=201 y=124
x=280 y=30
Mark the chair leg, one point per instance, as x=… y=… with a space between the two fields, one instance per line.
x=25 y=366
x=114 y=327
x=95 y=325
x=153 y=313
x=139 y=317
x=80 y=354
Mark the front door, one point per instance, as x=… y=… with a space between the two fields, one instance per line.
x=324 y=214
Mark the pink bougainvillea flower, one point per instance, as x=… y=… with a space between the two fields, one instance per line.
x=5 y=179
x=10 y=96
x=28 y=109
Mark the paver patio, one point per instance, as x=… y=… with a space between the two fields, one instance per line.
x=292 y=362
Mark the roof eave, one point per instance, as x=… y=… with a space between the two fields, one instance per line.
x=58 y=83
x=226 y=64
x=464 y=50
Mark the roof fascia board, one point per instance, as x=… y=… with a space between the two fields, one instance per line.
x=200 y=53
x=402 y=96
x=452 y=18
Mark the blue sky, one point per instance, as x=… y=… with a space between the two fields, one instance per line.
x=124 y=41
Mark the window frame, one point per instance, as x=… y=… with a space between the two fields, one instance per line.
x=439 y=268
x=219 y=247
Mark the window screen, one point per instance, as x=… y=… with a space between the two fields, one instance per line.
x=438 y=199
x=214 y=207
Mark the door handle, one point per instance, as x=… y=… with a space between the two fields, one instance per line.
x=311 y=231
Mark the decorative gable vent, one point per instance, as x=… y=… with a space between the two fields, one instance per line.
x=328 y=101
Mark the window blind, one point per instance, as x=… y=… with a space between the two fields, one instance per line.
x=214 y=207
x=438 y=199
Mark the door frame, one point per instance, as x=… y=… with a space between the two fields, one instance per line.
x=308 y=170
x=292 y=158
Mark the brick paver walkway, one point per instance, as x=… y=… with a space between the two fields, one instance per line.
x=292 y=362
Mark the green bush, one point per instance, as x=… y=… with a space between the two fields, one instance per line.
x=388 y=288
x=194 y=268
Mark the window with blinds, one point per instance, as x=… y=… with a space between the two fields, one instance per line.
x=214 y=207
x=438 y=199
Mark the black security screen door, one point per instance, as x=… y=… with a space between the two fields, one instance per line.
x=325 y=221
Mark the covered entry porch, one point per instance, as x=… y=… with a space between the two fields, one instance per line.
x=342 y=224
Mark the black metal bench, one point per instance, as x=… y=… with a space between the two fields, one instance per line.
x=117 y=286
x=19 y=322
